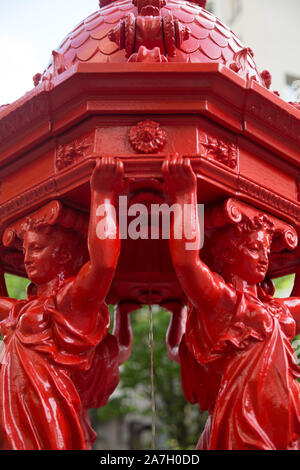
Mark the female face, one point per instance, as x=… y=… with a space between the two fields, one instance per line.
x=251 y=256
x=41 y=257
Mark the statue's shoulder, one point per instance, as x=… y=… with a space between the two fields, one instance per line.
x=9 y=307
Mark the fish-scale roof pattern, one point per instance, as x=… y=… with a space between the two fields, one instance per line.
x=210 y=39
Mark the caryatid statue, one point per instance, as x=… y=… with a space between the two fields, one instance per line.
x=59 y=359
x=236 y=356
x=191 y=86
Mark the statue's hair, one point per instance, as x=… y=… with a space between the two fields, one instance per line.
x=258 y=222
x=230 y=237
x=68 y=239
x=36 y=225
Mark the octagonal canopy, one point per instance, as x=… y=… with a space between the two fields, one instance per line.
x=171 y=67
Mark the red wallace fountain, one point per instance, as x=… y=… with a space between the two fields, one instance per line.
x=158 y=102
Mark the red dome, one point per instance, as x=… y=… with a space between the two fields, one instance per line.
x=209 y=39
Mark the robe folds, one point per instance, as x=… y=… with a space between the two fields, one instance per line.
x=40 y=405
x=245 y=374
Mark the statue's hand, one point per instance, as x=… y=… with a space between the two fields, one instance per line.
x=178 y=176
x=108 y=176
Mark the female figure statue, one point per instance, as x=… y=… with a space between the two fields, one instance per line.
x=240 y=336
x=55 y=333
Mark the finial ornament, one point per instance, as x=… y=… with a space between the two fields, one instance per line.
x=266 y=78
x=36 y=79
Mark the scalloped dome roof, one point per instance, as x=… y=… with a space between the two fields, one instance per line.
x=209 y=40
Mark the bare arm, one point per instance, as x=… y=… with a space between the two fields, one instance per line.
x=93 y=281
x=195 y=277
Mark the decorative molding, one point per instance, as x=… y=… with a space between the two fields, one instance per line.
x=147 y=137
x=240 y=64
x=266 y=78
x=70 y=153
x=117 y=35
x=146 y=55
x=221 y=151
x=169 y=35
x=23 y=114
x=269 y=197
x=36 y=79
x=52 y=213
x=182 y=33
x=59 y=63
x=278 y=119
x=150 y=30
x=129 y=33
x=28 y=198
x=234 y=211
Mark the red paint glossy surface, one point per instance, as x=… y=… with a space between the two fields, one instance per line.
x=236 y=356
x=206 y=39
x=139 y=81
x=58 y=360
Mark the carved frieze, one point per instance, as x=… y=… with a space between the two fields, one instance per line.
x=269 y=197
x=222 y=151
x=28 y=198
x=72 y=152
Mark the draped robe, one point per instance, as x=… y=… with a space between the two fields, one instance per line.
x=42 y=405
x=244 y=372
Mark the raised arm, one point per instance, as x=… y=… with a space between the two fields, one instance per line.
x=93 y=281
x=197 y=280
